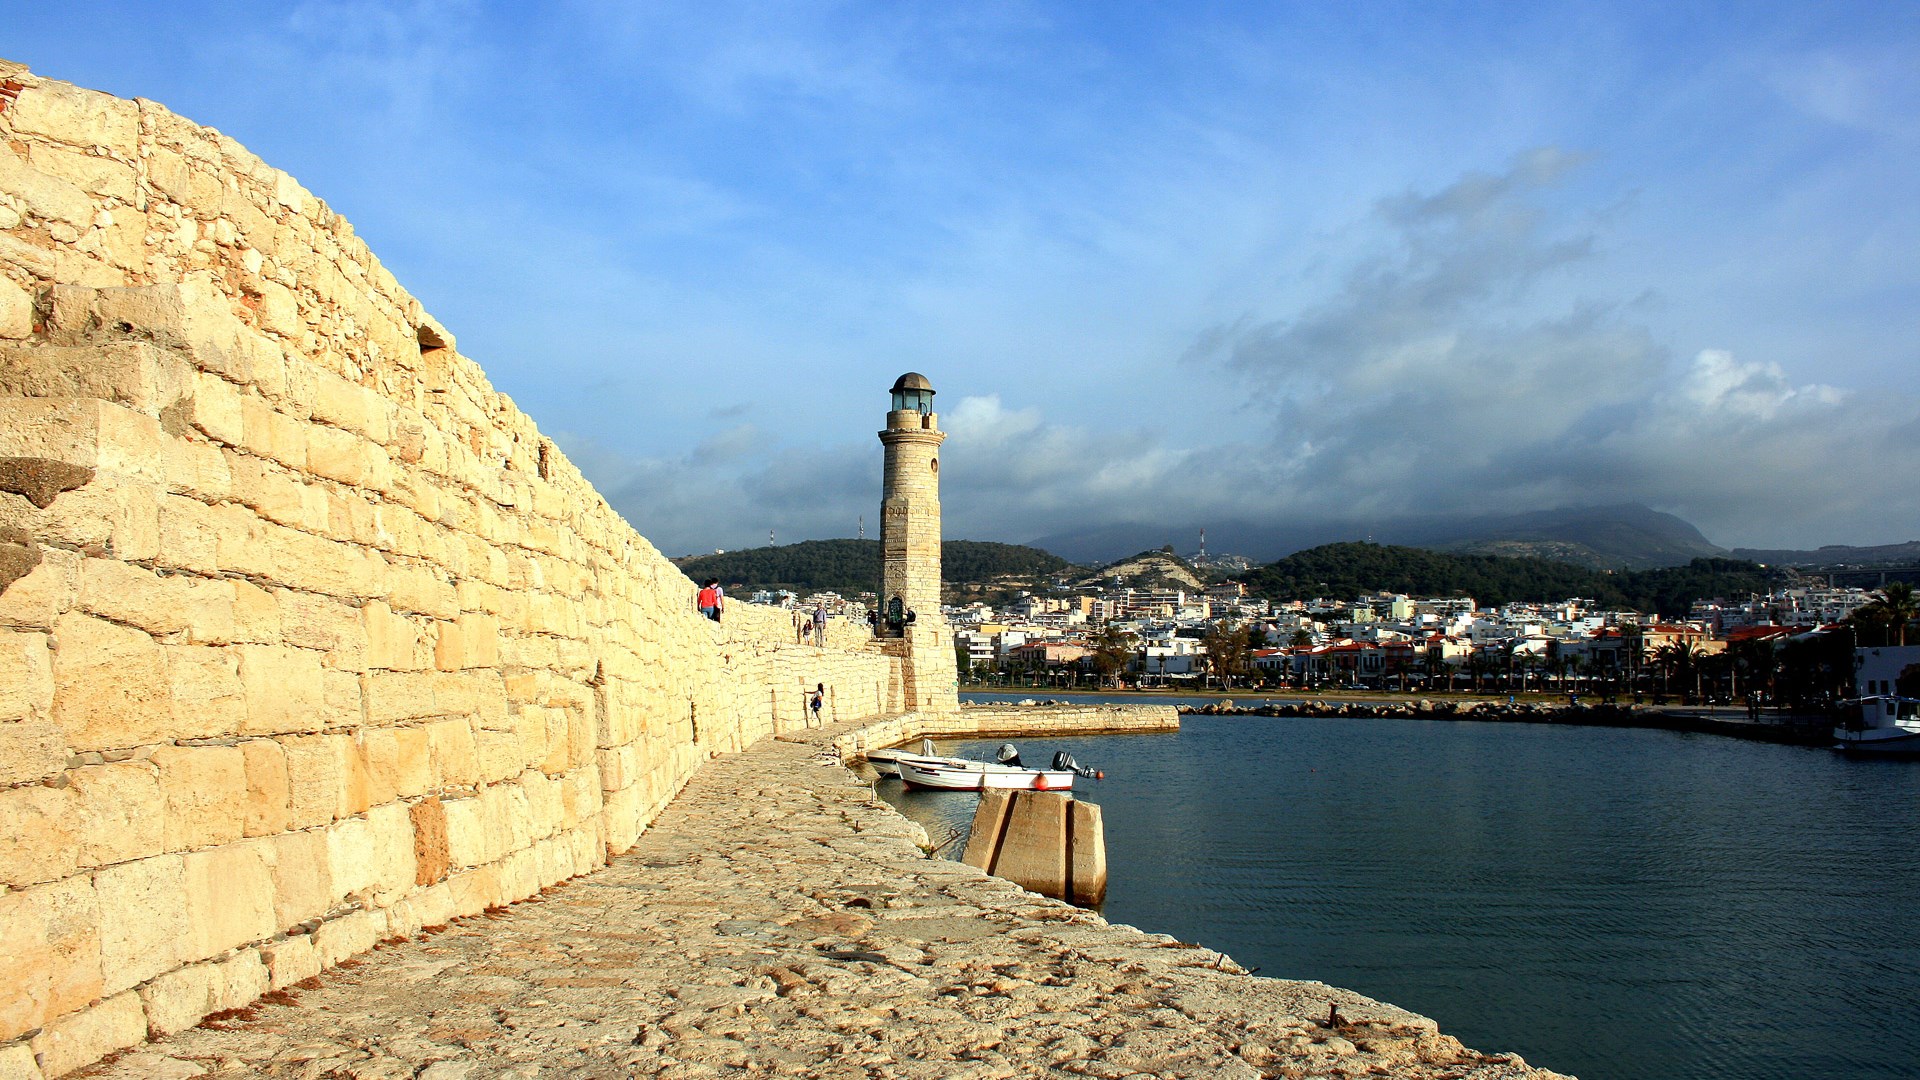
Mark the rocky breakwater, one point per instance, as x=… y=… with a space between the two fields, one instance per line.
x=1772 y=727
x=778 y=920
x=1424 y=709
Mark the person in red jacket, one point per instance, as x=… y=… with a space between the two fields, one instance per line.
x=709 y=600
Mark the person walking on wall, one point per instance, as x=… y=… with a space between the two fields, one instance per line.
x=709 y=599
x=820 y=624
x=815 y=699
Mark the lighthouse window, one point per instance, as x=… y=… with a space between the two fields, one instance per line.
x=936 y=465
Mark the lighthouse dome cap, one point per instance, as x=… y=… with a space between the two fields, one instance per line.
x=912 y=380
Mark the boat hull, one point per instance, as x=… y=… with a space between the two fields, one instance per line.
x=1879 y=726
x=887 y=762
x=1878 y=743
x=994 y=777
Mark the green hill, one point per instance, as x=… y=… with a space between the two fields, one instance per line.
x=851 y=567
x=1344 y=571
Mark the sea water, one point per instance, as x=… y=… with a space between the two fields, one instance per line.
x=1619 y=904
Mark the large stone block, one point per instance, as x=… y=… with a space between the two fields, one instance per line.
x=267 y=810
x=393 y=868
x=470 y=641
x=290 y=961
x=82 y=1038
x=17 y=1063
x=16 y=311
x=31 y=750
x=218 y=409
x=229 y=898
x=26 y=677
x=49 y=588
x=74 y=116
x=110 y=685
x=430 y=852
x=302 y=878
x=348 y=936
x=179 y=999
x=143 y=919
x=187 y=534
x=283 y=688
x=413 y=763
x=102 y=178
x=325 y=625
x=393 y=696
x=135 y=374
x=344 y=456
x=273 y=434
x=173 y=604
x=392 y=640
x=85 y=432
x=318 y=774
x=46 y=196
x=205 y=790
x=121 y=810
x=467 y=835
x=500 y=754
x=353 y=408
x=49 y=954
x=40 y=835
x=204 y=689
x=456 y=762
x=197 y=468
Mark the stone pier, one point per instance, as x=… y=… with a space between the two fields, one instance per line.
x=778 y=920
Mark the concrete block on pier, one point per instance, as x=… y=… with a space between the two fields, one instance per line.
x=1045 y=841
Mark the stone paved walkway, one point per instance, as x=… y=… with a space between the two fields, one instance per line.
x=779 y=921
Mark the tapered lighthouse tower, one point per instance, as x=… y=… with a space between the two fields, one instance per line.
x=910 y=619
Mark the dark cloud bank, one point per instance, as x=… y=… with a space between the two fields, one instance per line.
x=1457 y=369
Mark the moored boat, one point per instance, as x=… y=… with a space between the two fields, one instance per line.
x=1880 y=724
x=887 y=762
x=982 y=776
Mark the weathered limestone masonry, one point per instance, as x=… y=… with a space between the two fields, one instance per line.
x=1007 y=721
x=778 y=920
x=308 y=637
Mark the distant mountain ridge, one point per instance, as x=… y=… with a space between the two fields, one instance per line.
x=1620 y=536
x=1347 y=570
x=850 y=567
x=1834 y=555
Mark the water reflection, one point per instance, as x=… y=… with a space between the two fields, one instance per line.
x=1612 y=903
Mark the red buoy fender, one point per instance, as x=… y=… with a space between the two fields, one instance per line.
x=1039 y=781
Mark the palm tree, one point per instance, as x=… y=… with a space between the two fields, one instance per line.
x=1901 y=606
x=1677 y=659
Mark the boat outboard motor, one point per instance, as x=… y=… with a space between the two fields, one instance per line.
x=1008 y=756
x=927 y=748
x=1063 y=762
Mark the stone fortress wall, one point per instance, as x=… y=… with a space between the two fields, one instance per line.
x=308 y=637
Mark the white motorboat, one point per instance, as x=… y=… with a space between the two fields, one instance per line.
x=886 y=762
x=930 y=770
x=1880 y=724
x=982 y=775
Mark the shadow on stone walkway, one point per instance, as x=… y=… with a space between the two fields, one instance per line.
x=780 y=921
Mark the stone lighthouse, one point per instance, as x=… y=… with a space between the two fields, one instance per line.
x=910 y=623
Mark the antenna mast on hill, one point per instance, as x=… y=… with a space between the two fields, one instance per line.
x=769 y=537
x=863 y=526
x=1203 y=545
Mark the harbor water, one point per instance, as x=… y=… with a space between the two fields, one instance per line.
x=1618 y=904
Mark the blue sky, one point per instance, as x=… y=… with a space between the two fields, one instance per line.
x=1162 y=262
